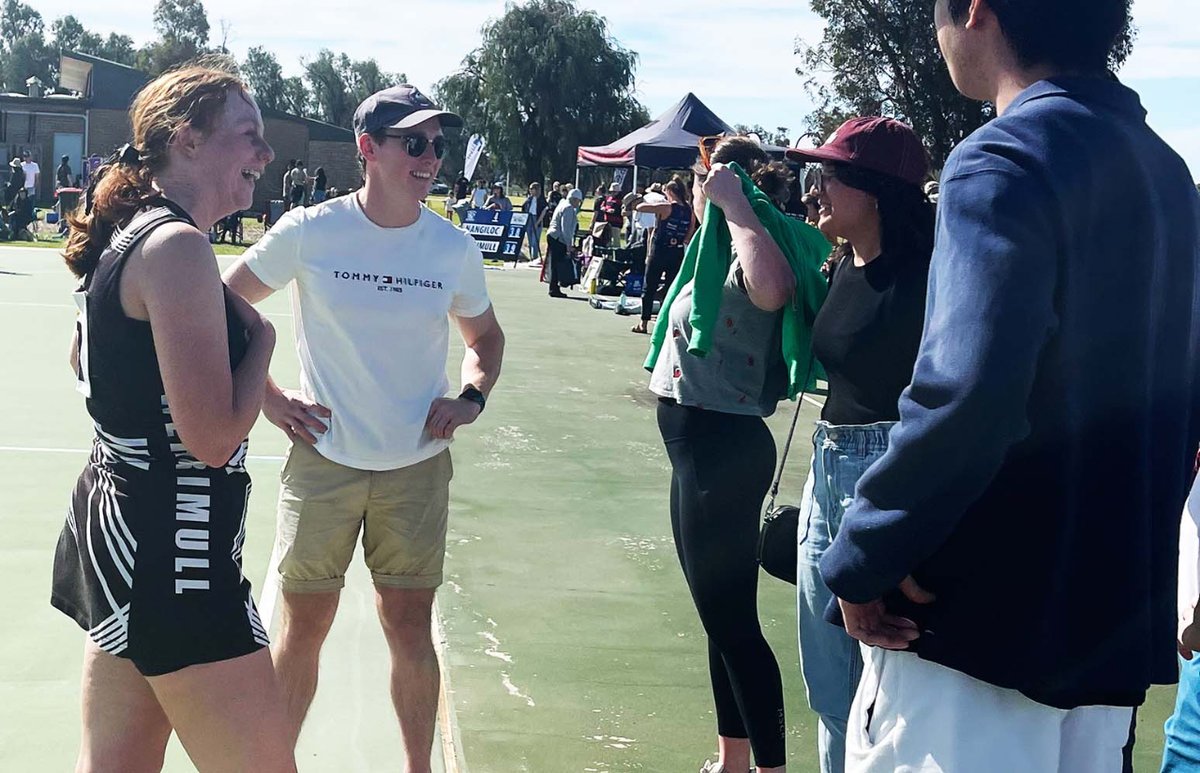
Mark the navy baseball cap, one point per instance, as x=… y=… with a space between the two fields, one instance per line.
x=400 y=107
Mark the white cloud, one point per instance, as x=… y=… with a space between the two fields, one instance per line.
x=1168 y=42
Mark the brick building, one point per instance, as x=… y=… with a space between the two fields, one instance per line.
x=94 y=120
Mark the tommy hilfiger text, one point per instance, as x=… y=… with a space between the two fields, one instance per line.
x=387 y=281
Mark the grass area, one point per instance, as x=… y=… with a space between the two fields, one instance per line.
x=252 y=229
x=58 y=244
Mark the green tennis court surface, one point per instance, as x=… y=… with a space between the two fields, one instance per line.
x=571 y=642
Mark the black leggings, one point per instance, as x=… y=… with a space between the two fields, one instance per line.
x=663 y=266
x=557 y=253
x=721 y=469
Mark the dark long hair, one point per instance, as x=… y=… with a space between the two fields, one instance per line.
x=906 y=216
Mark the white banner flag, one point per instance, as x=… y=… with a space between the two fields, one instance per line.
x=474 y=151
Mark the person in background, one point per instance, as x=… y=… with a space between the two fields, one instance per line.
x=673 y=225
x=554 y=196
x=33 y=175
x=16 y=181
x=1010 y=561
x=320 y=186
x=458 y=202
x=286 y=188
x=63 y=176
x=498 y=201
x=866 y=335
x=479 y=196
x=610 y=213
x=560 y=239
x=628 y=208
x=538 y=209
x=298 y=179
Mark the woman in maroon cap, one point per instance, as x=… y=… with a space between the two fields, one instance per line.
x=866 y=336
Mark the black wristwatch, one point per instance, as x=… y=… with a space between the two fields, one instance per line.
x=474 y=395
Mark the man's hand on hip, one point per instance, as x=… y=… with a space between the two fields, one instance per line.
x=447 y=414
x=298 y=417
x=872 y=624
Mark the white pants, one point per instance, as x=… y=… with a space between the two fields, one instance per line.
x=913 y=716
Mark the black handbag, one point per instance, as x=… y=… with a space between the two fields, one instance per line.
x=777 y=551
x=777 y=540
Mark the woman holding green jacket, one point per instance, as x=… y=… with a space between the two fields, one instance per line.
x=720 y=364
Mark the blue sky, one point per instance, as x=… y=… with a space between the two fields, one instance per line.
x=737 y=57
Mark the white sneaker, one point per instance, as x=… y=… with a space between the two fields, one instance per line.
x=713 y=766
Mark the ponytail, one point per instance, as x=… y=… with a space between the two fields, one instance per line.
x=120 y=188
x=192 y=95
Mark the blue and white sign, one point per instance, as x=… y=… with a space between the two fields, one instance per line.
x=498 y=234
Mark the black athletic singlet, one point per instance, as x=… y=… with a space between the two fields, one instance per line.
x=149 y=562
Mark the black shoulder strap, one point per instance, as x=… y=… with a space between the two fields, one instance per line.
x=125 y=239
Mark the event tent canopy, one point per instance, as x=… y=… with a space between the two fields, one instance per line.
x=667 y=142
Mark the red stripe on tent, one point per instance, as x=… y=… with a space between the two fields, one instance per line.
x=601 y=156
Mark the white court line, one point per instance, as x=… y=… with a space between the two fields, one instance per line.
x=453 y=757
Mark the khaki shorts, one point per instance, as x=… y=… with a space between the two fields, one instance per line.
x=323 y=505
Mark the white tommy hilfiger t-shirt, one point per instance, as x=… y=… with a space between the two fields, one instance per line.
x=372 y=308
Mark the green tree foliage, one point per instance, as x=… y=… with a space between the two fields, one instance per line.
x=880 y=57
x=182 y=26
x=68 y=34
x=547 y=78
x=23 y=49
x=182 y=20
x=295 y=96
x=264 y=76
x=337 y=84
x=883 y=59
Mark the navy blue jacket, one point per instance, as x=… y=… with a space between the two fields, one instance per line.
x=1043 y=456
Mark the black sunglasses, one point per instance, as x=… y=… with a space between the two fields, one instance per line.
x=824 y=175
x=415 y=144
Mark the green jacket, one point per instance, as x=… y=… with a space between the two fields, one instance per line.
x=707 y=262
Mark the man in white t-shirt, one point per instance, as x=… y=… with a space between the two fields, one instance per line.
x=32 y=174
x=374 y=279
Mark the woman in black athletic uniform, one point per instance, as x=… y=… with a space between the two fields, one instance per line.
x=173 y=369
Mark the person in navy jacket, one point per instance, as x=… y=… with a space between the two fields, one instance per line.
x=1011 y=559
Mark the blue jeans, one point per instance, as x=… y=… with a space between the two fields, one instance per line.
x=1182 y=751
x=534 y=233
x=829 y=659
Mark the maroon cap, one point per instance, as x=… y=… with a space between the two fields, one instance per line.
x=882 y=145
